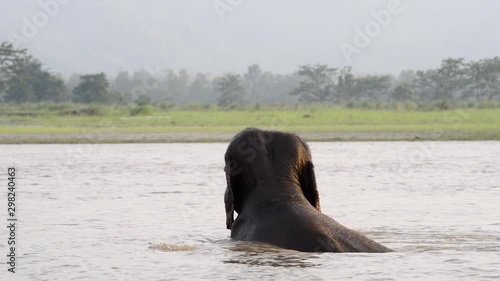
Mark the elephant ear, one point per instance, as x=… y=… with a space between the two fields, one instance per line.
x=229 y=198
x=307 y=180
x=229 y=204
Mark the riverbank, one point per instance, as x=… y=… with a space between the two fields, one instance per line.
x=115 y=125
x=226 y=137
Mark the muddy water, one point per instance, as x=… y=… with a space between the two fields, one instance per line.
x=155 y=212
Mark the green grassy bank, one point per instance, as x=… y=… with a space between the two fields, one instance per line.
x=77 y=123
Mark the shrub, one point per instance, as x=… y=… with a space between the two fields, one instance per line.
x=143 y=100
x=141 y=110
x=411 y=106
x=90 y=110
x=234 y=106
x=166 y=106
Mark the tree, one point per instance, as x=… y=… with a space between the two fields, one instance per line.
x=122 y=83
x=47 y=87
x=181 y=86
x=23 y=78
x=231 y=90
x=251 y=81
x=10 y=59
x=372 y=87
x=19 y=91
x=426 y=85
x=345 y=84
x=266 y=88
x=174 y=87
x=484 y=79
x=317 y=84
x=200 y=90
x=451 y=78
x=92 y=88
x=403 y=92
x=406 y=76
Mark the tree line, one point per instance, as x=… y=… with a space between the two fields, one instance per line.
x=23 y=78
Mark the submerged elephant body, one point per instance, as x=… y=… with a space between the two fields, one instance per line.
x=272 y=186
x=299 y=227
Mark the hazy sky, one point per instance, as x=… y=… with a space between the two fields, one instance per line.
x=228 y=35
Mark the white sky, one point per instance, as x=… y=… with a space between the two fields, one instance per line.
x=112 y=35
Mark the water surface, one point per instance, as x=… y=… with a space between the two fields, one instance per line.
x=155 y=212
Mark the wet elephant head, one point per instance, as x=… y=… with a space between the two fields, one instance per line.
x=256 y=156
x=271 y=185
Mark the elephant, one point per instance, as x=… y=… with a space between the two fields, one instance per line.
x=271 y=185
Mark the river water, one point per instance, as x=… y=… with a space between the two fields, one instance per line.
x=155 y=212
